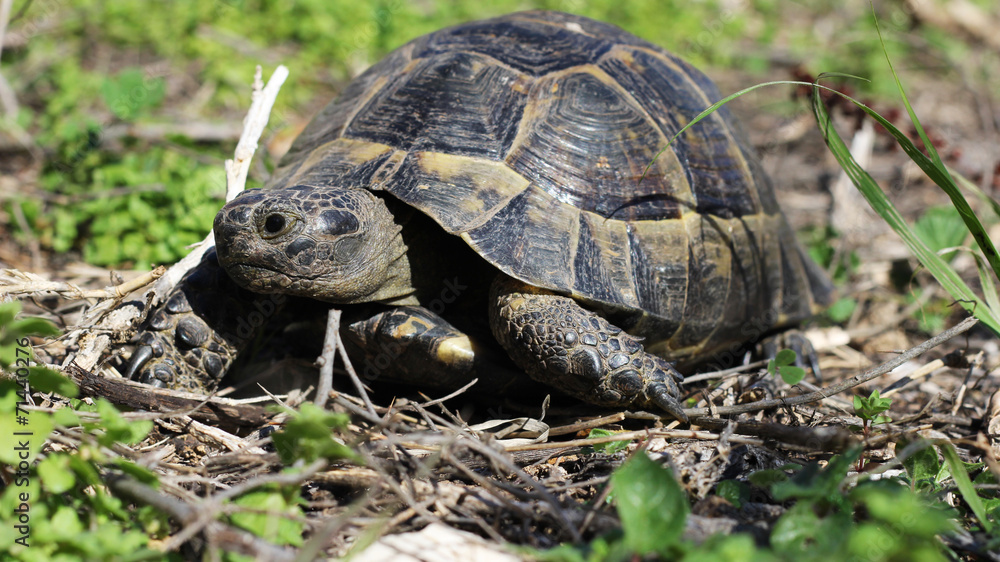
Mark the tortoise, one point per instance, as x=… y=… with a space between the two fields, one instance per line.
x=500 y=188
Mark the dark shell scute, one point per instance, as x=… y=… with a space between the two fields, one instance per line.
x=588 y=145
x=529 y=45
x=330 y=123
x=673 y=93
x=456 y=103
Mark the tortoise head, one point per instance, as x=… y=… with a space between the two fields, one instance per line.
x=334 y=244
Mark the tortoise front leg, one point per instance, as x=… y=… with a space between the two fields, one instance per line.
x=562 y=344
x=192 y=340
x=413 y=345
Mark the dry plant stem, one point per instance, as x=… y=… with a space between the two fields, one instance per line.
x=354 y=375
x=253 y=128
x=587 y=424
x=222 y=535
x=35 y=286
x=282 y=479
x=94 y=340
x=214 y=411
x=631 y=436
x=327 y=358
x=450 y=396
x=540 y=490
x=725 y=373
x=236 y=169
x=5 y=6
x=875 y=372
x=975 y=363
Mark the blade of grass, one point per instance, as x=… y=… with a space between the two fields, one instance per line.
x=986 y=280
x=945 y=275
x=941 y=176
x=877 y=199
x=715 y=106
x=964 y=182
x=962 y=482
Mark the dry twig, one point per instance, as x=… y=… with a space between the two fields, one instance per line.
x=873 y=373
x=36 y=286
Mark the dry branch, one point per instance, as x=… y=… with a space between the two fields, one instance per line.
x=33 y=285
x=224 y=536
x=215 y=411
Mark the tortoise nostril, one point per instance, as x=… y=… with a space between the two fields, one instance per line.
x=274 y=224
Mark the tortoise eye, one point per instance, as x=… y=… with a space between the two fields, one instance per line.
x=276 y=224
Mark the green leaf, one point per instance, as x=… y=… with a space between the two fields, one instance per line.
x=140 y=473
x=34 y=327
x=890 y=502
x=308 y=435
x=8 y=311
x=940 y=228
x=768 y=477
x=869 y=408
x=652 y=506
x=116 y=428
x=271 y=516
x=55 y=474
x=785 y=357
x=734 y=491
x=24 y=434
x=43 y=379
x=820 y=484
x=792 y=375
x=783 y=365
x=841 y=310
x=801 y=532
x=66 y=417
x=130 y=93
x=609 y=448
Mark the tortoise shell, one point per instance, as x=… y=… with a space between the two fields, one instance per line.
x=529 y=136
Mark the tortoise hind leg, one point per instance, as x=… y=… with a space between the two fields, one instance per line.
x=562 y=344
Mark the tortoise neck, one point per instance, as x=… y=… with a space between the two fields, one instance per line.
x=434 y=265
x=399 y=287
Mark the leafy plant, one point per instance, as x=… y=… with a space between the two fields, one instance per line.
x=941 y=228
x=56 y=507
x=309 y=435
x=273 y=513
x=828 y=517
x=870 y=410
x=783 y=365
x=130 y=93
x=651 y=504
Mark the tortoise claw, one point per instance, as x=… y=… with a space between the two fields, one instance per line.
x=143 y=354
x=659 y=394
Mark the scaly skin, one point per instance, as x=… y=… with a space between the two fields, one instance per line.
x=191 y=341
x=562 y=344
x=413 y=345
